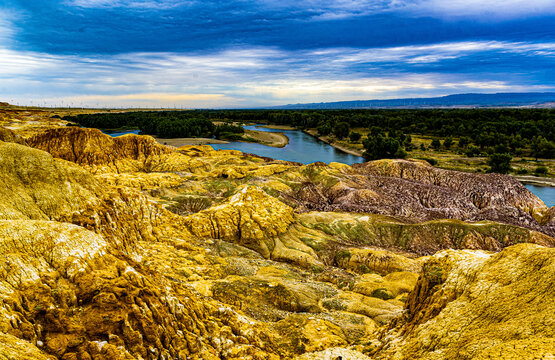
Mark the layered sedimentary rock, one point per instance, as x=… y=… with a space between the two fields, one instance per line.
x=474 y=305
x=125 y=249
x=416 y=191
x=92 y=148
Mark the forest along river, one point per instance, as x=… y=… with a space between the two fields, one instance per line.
x=306 y=149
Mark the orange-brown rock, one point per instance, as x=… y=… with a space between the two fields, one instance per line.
x=90 y=147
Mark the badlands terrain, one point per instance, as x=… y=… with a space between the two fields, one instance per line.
x=122 y=248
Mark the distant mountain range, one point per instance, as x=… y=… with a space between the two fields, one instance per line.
x=534 y=100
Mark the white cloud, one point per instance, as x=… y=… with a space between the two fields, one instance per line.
x=256 y=76
x=315 y=90
x=138 y=4
x=426 y=54
x=490 y=8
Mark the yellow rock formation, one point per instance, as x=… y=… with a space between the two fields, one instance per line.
x=122 y=248
x=474 y=305
x=250 y=217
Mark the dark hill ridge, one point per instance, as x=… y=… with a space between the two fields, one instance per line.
x=544 y=100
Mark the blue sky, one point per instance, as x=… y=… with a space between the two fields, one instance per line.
x=215 y=53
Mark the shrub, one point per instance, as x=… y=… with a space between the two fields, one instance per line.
x=431 y=161
x=472 y=151
x=354 y=136
x=382 y=293
x=190 y=205
x=342 y=255
x=230 y=136
x=464 y=141
x=433 y=273
x=500 y=163
x=541 y=170
x=448 y=142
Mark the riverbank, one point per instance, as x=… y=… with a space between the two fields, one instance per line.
x=273 y=139
x=536 y=180
x=179 y=142
x=278 y=127
x=314 y=133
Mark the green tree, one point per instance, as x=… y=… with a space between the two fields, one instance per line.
x=324 y=129
x=541 y=170
x=381 y=147
x=500 y=163
x=464 y=141
x=354 y=136
x=341 y=130
x=542 y=148
x=448 y=142
x=472 y=151
x=436 y=144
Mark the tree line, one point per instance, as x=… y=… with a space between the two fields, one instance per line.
x=164 y=124
x=475 y=131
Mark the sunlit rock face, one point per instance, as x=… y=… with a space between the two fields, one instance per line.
x=126 y=249
x=475 y=305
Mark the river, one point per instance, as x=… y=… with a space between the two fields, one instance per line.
x=306 y=149
x=545 y=193
x=302 y=148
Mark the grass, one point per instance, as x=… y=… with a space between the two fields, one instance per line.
x=455 y=158
x=190 y=205
x=221 y=187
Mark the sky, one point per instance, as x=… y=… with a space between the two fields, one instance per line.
x=239 y=53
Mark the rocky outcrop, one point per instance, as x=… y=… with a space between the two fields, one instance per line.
x=36 y=186
x=473 y=305
x=8 y=135
x=369 y=230
x=416 y=192
x=63 y=290
x=260 y=259
x=92 y=148
x=250 y=217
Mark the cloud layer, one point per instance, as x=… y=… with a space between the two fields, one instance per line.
x=210 y=53
x=270 y=76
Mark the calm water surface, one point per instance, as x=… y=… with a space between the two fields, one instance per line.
x=120 y=133
x=545 y=193
x=302 y=148
x=306 y=149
